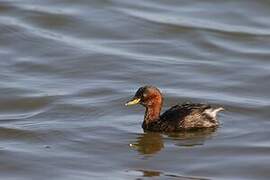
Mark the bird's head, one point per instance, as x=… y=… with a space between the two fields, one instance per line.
x=146 y=96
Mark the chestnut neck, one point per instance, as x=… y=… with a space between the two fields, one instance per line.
x=153 y=108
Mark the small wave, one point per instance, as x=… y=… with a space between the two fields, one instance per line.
x=193 y=23
x=19 y=116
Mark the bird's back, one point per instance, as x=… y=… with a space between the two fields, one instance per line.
x=185 y=116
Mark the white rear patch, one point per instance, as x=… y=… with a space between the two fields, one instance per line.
x=213 y=112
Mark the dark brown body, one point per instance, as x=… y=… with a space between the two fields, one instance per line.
x=182 y=117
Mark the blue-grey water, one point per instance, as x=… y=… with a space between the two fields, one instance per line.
x=67 y=68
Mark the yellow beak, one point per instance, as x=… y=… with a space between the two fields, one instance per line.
x=133 y=102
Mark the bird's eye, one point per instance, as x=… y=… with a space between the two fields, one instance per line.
x=144 y=95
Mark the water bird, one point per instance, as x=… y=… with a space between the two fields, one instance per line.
x=186 y=116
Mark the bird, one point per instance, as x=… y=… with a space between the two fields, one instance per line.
x=180 y=117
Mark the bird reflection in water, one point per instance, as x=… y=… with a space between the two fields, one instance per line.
x=152 y=142
x=148 y=143
x=164 y=175
x=149 y=173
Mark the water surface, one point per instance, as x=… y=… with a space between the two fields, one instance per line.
x=67 y=68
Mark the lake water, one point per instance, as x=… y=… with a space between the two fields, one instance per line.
x=67 y=68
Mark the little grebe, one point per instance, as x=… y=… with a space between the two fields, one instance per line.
x=179 y=117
